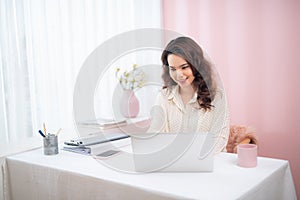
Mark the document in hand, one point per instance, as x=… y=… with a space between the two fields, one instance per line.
x=96 y=144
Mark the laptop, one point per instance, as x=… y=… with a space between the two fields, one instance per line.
x=173 y=152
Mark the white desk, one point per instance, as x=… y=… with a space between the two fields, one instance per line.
x=31 y=175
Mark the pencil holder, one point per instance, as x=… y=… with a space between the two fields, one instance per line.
x=50 y=144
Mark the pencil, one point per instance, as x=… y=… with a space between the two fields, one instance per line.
x=45 y=131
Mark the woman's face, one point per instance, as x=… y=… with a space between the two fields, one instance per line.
x=180 y=71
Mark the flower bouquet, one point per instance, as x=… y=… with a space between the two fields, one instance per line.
x=130 y=80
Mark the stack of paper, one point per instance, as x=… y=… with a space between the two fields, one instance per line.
x=103 y=123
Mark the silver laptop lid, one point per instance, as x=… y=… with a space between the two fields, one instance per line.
x=173 y=152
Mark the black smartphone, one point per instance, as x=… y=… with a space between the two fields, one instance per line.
x=107 y=153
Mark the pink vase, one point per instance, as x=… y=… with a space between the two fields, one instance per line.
x=129 y=104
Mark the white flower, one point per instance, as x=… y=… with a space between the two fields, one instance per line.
x=132 y=79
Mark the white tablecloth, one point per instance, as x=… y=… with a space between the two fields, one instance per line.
x=32 y=175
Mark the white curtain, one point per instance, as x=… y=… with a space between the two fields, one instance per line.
x=43 y=44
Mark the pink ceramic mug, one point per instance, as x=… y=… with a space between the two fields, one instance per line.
x=247 y=155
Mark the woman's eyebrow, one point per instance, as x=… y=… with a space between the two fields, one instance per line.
x=182 y=65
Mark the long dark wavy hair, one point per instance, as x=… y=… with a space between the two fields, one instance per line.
x=204 y=81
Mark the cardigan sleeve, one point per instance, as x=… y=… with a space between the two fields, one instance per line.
x=158 y=115
x=220 y=123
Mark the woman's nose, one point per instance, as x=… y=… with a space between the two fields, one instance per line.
x=179 y=73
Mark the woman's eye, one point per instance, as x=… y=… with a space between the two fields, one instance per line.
x=185 y=67
x=172 y=69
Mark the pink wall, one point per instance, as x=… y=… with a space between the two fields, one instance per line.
x=256 y=48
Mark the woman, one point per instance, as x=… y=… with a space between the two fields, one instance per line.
x=190 y=100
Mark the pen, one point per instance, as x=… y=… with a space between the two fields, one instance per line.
x=41 y=133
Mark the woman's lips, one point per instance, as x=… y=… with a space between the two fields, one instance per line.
x=182 y=81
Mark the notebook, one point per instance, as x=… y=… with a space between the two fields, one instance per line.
x=95 y=144
x=173 y=152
